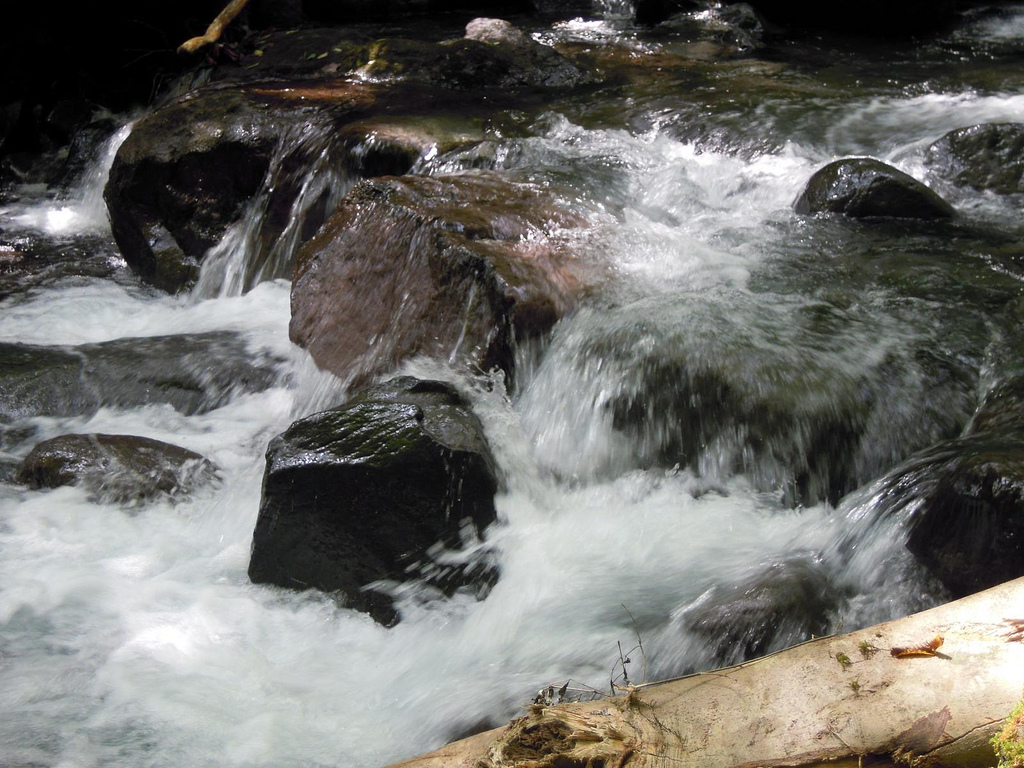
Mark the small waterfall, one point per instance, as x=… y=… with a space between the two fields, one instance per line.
x=83 y=210
x=304 y=183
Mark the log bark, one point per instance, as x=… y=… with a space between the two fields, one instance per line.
x=841 y=701
x=216 y=28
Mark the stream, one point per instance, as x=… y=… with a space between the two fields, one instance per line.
x=132 y=637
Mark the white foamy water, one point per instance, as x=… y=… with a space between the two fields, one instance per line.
x=133 y=638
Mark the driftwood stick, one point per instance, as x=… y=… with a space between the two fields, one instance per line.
x=216 y=28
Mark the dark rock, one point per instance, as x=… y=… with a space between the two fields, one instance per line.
x=346 y=11
x=452 y=267
x=786 y=603
x=86 y=145
x=965 y=501
x=181 y=177
x=359 y=493
x=875 y=18
x=863 y=187
x=989 y=156
x=120 y=469
x=194 y=374
x=195 y=167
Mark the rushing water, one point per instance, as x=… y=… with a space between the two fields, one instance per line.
x=134 y=638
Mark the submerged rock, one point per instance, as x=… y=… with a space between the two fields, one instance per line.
x=784 y=604
x=120 y=469
x=360 y=493
x=989 y=156
x=965 y=501
x=451 y=267
x=808 y=399
x=863 y=187
x=194 y=374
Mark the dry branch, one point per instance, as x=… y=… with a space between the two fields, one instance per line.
x=799 y=708
x=216 y=28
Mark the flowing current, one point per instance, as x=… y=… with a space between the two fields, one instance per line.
x=132 y=637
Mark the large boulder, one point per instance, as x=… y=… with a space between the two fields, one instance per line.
x=989 y=156
x=863 y=187
x=119 y=469
x=183 y=175
x=360 y=493
x=193 y=374
x=454 y=267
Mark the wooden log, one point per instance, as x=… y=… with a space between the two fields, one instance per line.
x=216 y=28
x=840 y=701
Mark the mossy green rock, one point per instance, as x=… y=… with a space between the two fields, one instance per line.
x=359 y=493
x=862 y=187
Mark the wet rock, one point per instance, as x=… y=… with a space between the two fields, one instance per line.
x=360 y=493
x=181 y=177
x=29 y=262
x=989 y=156
x=781 y=391
x=965 y=502
x=786 y=603
x=277 y=155
x=454 y=267
x=1002 y=410
x=85 y=146
x=194 y=374
x=863 y=187
x=120 y=469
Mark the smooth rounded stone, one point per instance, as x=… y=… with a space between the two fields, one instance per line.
x=965 y=504
x=989 y=156
x=120 y=469
x=364 y=492
x=863 y=187
x=193 y=374
x=455 y=268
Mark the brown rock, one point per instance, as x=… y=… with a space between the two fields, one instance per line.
x=454 y=267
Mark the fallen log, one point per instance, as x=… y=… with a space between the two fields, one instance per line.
x=925 y=691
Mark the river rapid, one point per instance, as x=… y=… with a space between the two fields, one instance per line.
x=133 y=638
